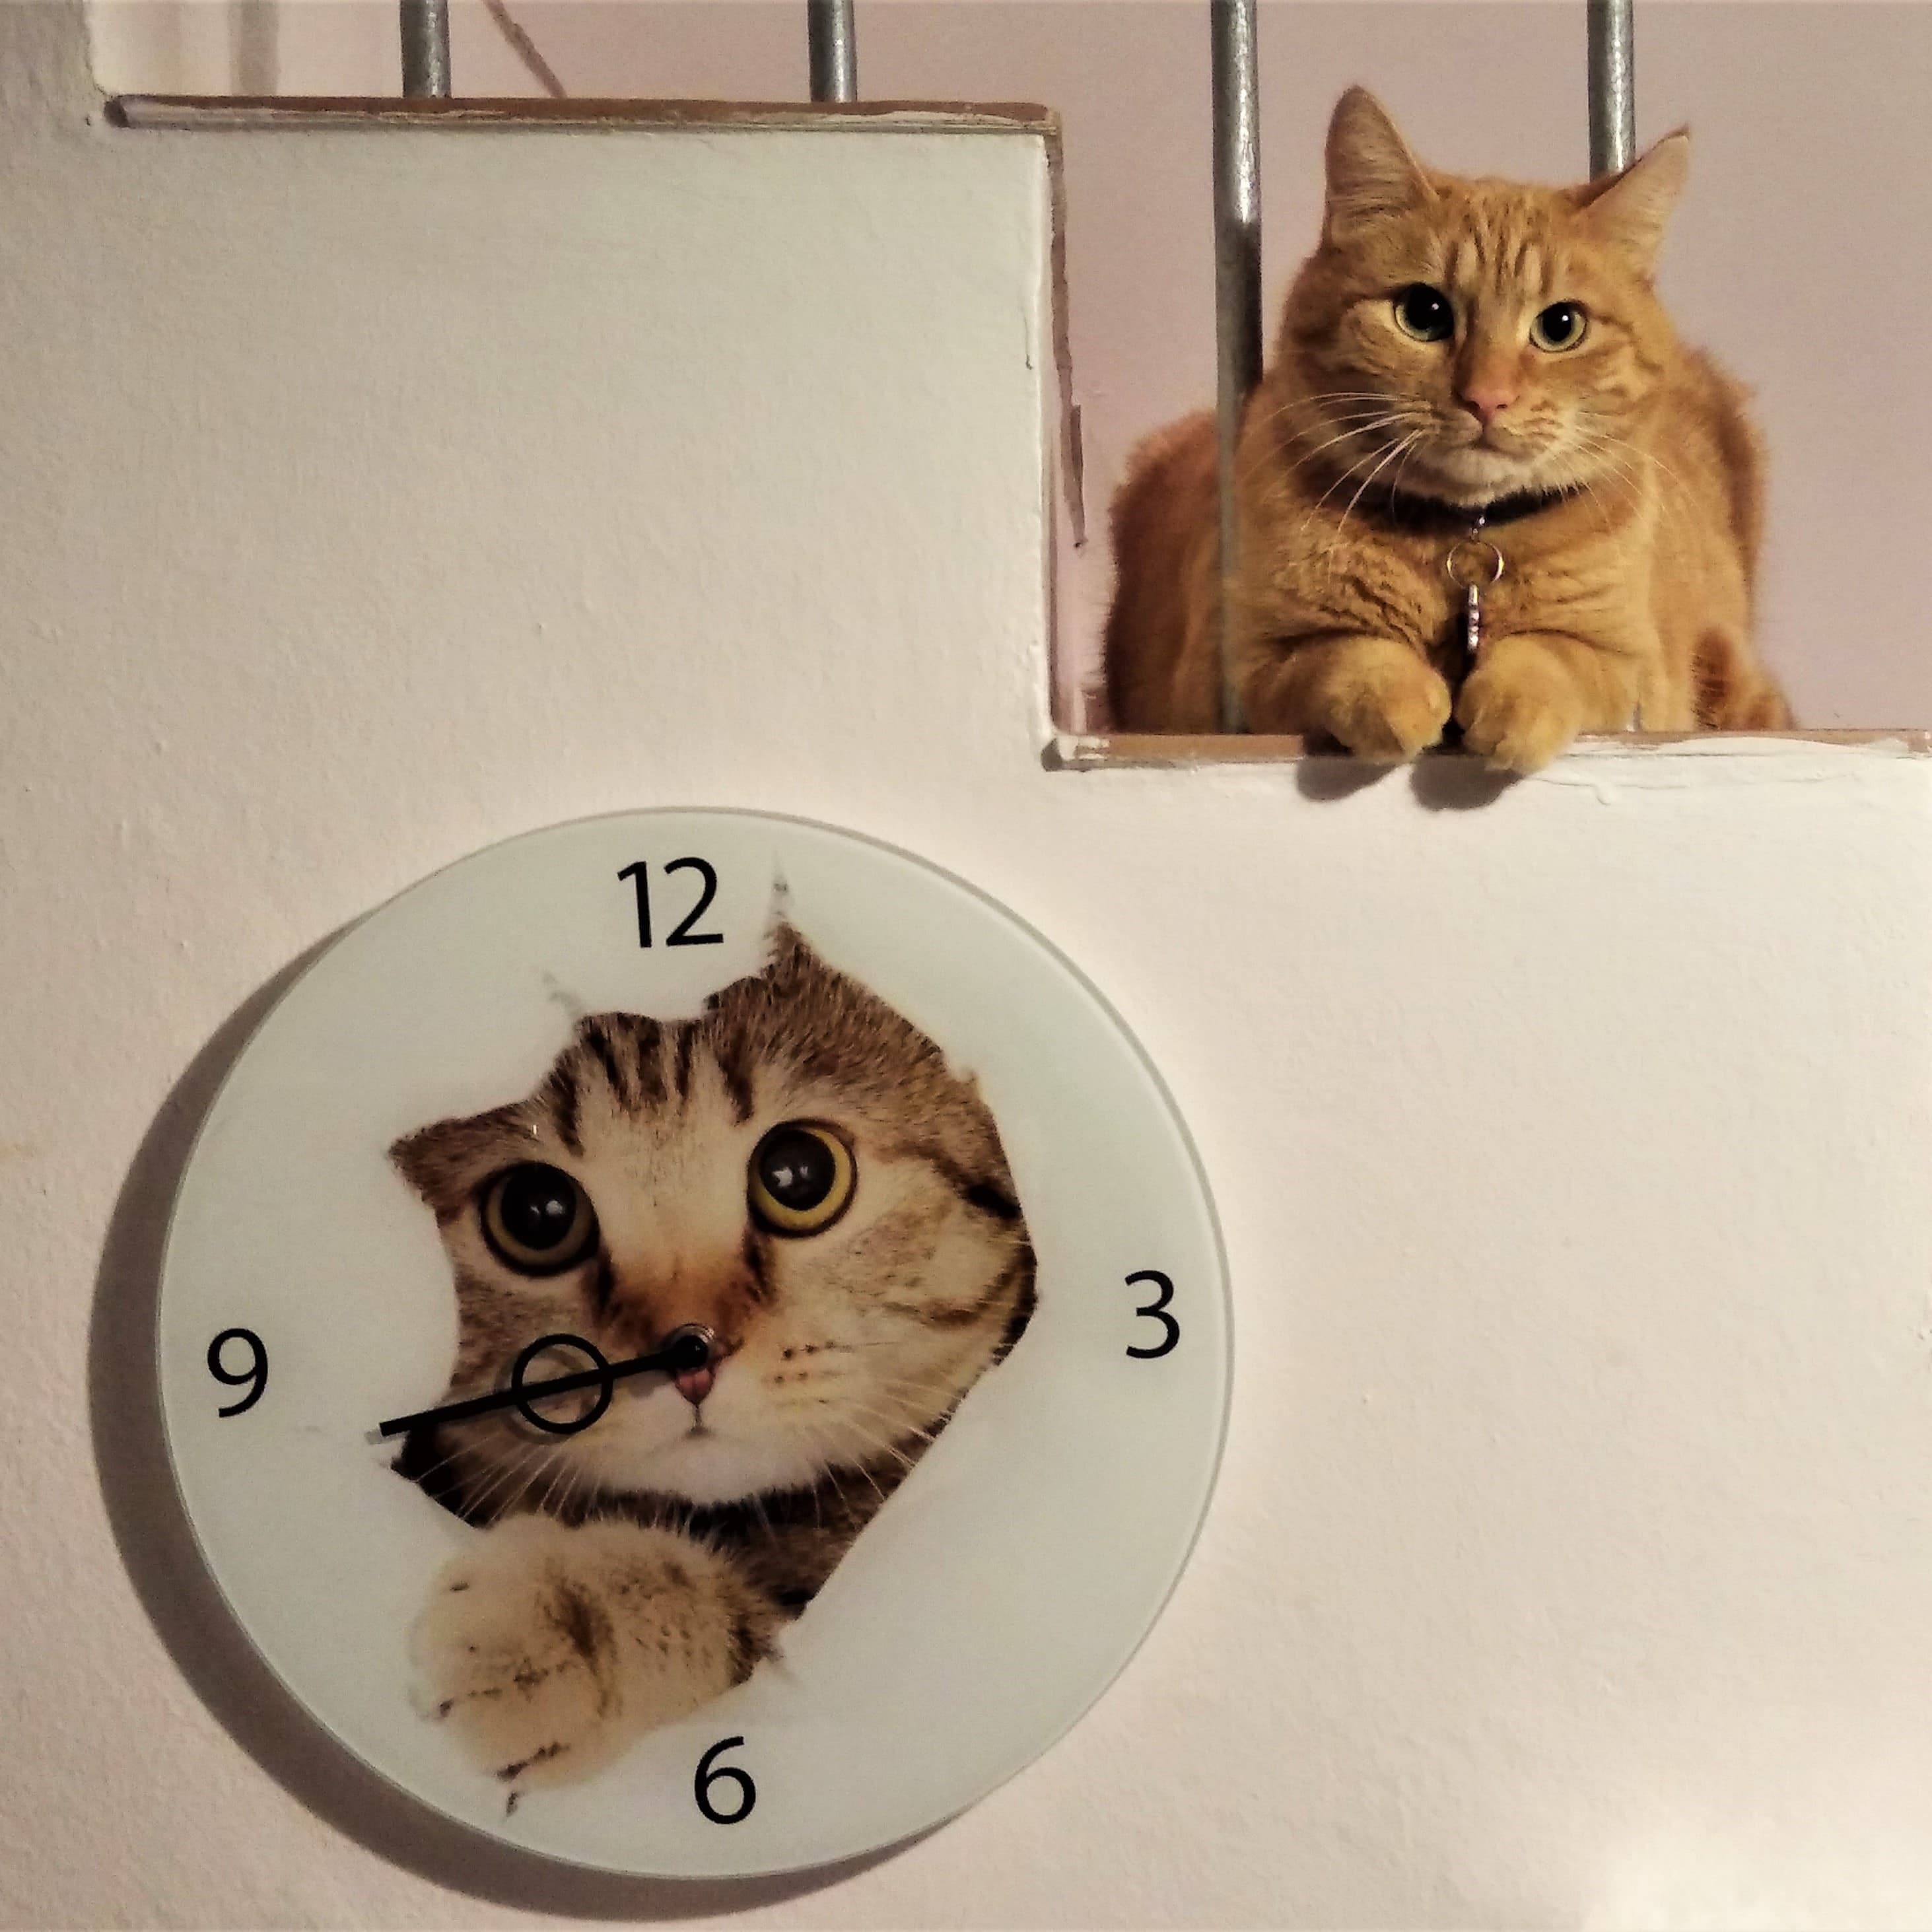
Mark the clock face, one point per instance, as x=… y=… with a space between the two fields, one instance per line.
x=695 y=1343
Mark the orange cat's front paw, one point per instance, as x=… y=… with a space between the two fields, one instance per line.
x=1518 y=710
x=1382 y=702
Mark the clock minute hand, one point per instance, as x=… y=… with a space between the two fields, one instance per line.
x=688 y=1348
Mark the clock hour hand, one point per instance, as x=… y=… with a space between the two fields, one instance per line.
x=686 y=1350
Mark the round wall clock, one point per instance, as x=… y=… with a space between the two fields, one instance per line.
x=694 y=1342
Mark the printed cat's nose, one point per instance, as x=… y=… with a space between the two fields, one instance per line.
x=697 y=1374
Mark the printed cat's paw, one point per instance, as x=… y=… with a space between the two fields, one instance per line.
x=547 y=1649
x=1518 y=711
x=1384 y=703
x=516 y=1654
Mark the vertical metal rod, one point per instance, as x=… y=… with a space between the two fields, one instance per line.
x=255 y=58
x=1612 y=87
x=834 y=44
x=425 y=25
x=1238 y=273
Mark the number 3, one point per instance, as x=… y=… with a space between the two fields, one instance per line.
x=1156 y=1311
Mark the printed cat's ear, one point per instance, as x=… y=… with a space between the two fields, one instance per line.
x=442 y=1161
x=423 y=1158
x=788 y=959
x=1372 y=174
x=1628 y=210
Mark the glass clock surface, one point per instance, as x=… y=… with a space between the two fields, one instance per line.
x=694 y=1342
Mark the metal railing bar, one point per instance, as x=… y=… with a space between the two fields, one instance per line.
x=1612 y=87
x=833 y=43
x=1237 y=274
x=425 y=31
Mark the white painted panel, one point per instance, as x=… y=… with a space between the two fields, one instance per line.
x=368 y=497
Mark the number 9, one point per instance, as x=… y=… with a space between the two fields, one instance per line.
x=256 y=1373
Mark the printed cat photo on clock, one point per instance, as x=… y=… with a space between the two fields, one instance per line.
x=797 y=1176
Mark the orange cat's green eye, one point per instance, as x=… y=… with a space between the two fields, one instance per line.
x=537 y=1220
x=1425 y=313
x=1561 y=326
x=802 y=1177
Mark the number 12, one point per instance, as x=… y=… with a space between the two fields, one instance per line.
x=680 y=934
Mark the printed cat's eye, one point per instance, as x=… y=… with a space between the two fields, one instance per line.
x=1561 y=326
x=1425 y=313
x=536 y=1219
x=802 y=1178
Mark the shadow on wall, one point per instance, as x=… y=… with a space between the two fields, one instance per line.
x=157 y=1545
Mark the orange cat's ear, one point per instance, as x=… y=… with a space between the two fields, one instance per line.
x=1372 y=174
x=1628 y=210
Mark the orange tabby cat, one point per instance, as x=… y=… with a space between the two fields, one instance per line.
x=1456 y=348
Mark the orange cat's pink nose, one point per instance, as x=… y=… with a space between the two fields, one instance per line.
x=695 y=1385
x=1486 y=404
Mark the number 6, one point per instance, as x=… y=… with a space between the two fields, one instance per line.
x=706 y=1778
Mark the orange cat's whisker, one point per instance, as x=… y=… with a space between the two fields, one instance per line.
x=1604 y=449
x=1387 y=422
x=1390 y=407
x=1314 y=509
x=1342 y=524
x=1366 y=426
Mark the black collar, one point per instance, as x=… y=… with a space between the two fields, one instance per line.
x=1409 y=511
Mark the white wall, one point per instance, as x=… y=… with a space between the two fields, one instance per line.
x=368 y=496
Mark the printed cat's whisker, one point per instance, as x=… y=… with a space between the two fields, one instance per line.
x=931 y=1379
x=910 y=1403
x=911 y=1388
x=515 y=1479
x=487 y=1503
x=890 y=1446
x=879 y=1445
x=473 y=1502
x=577 y=1480
x=764 y=1518
x=441 y=1462
x=564 y=1470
